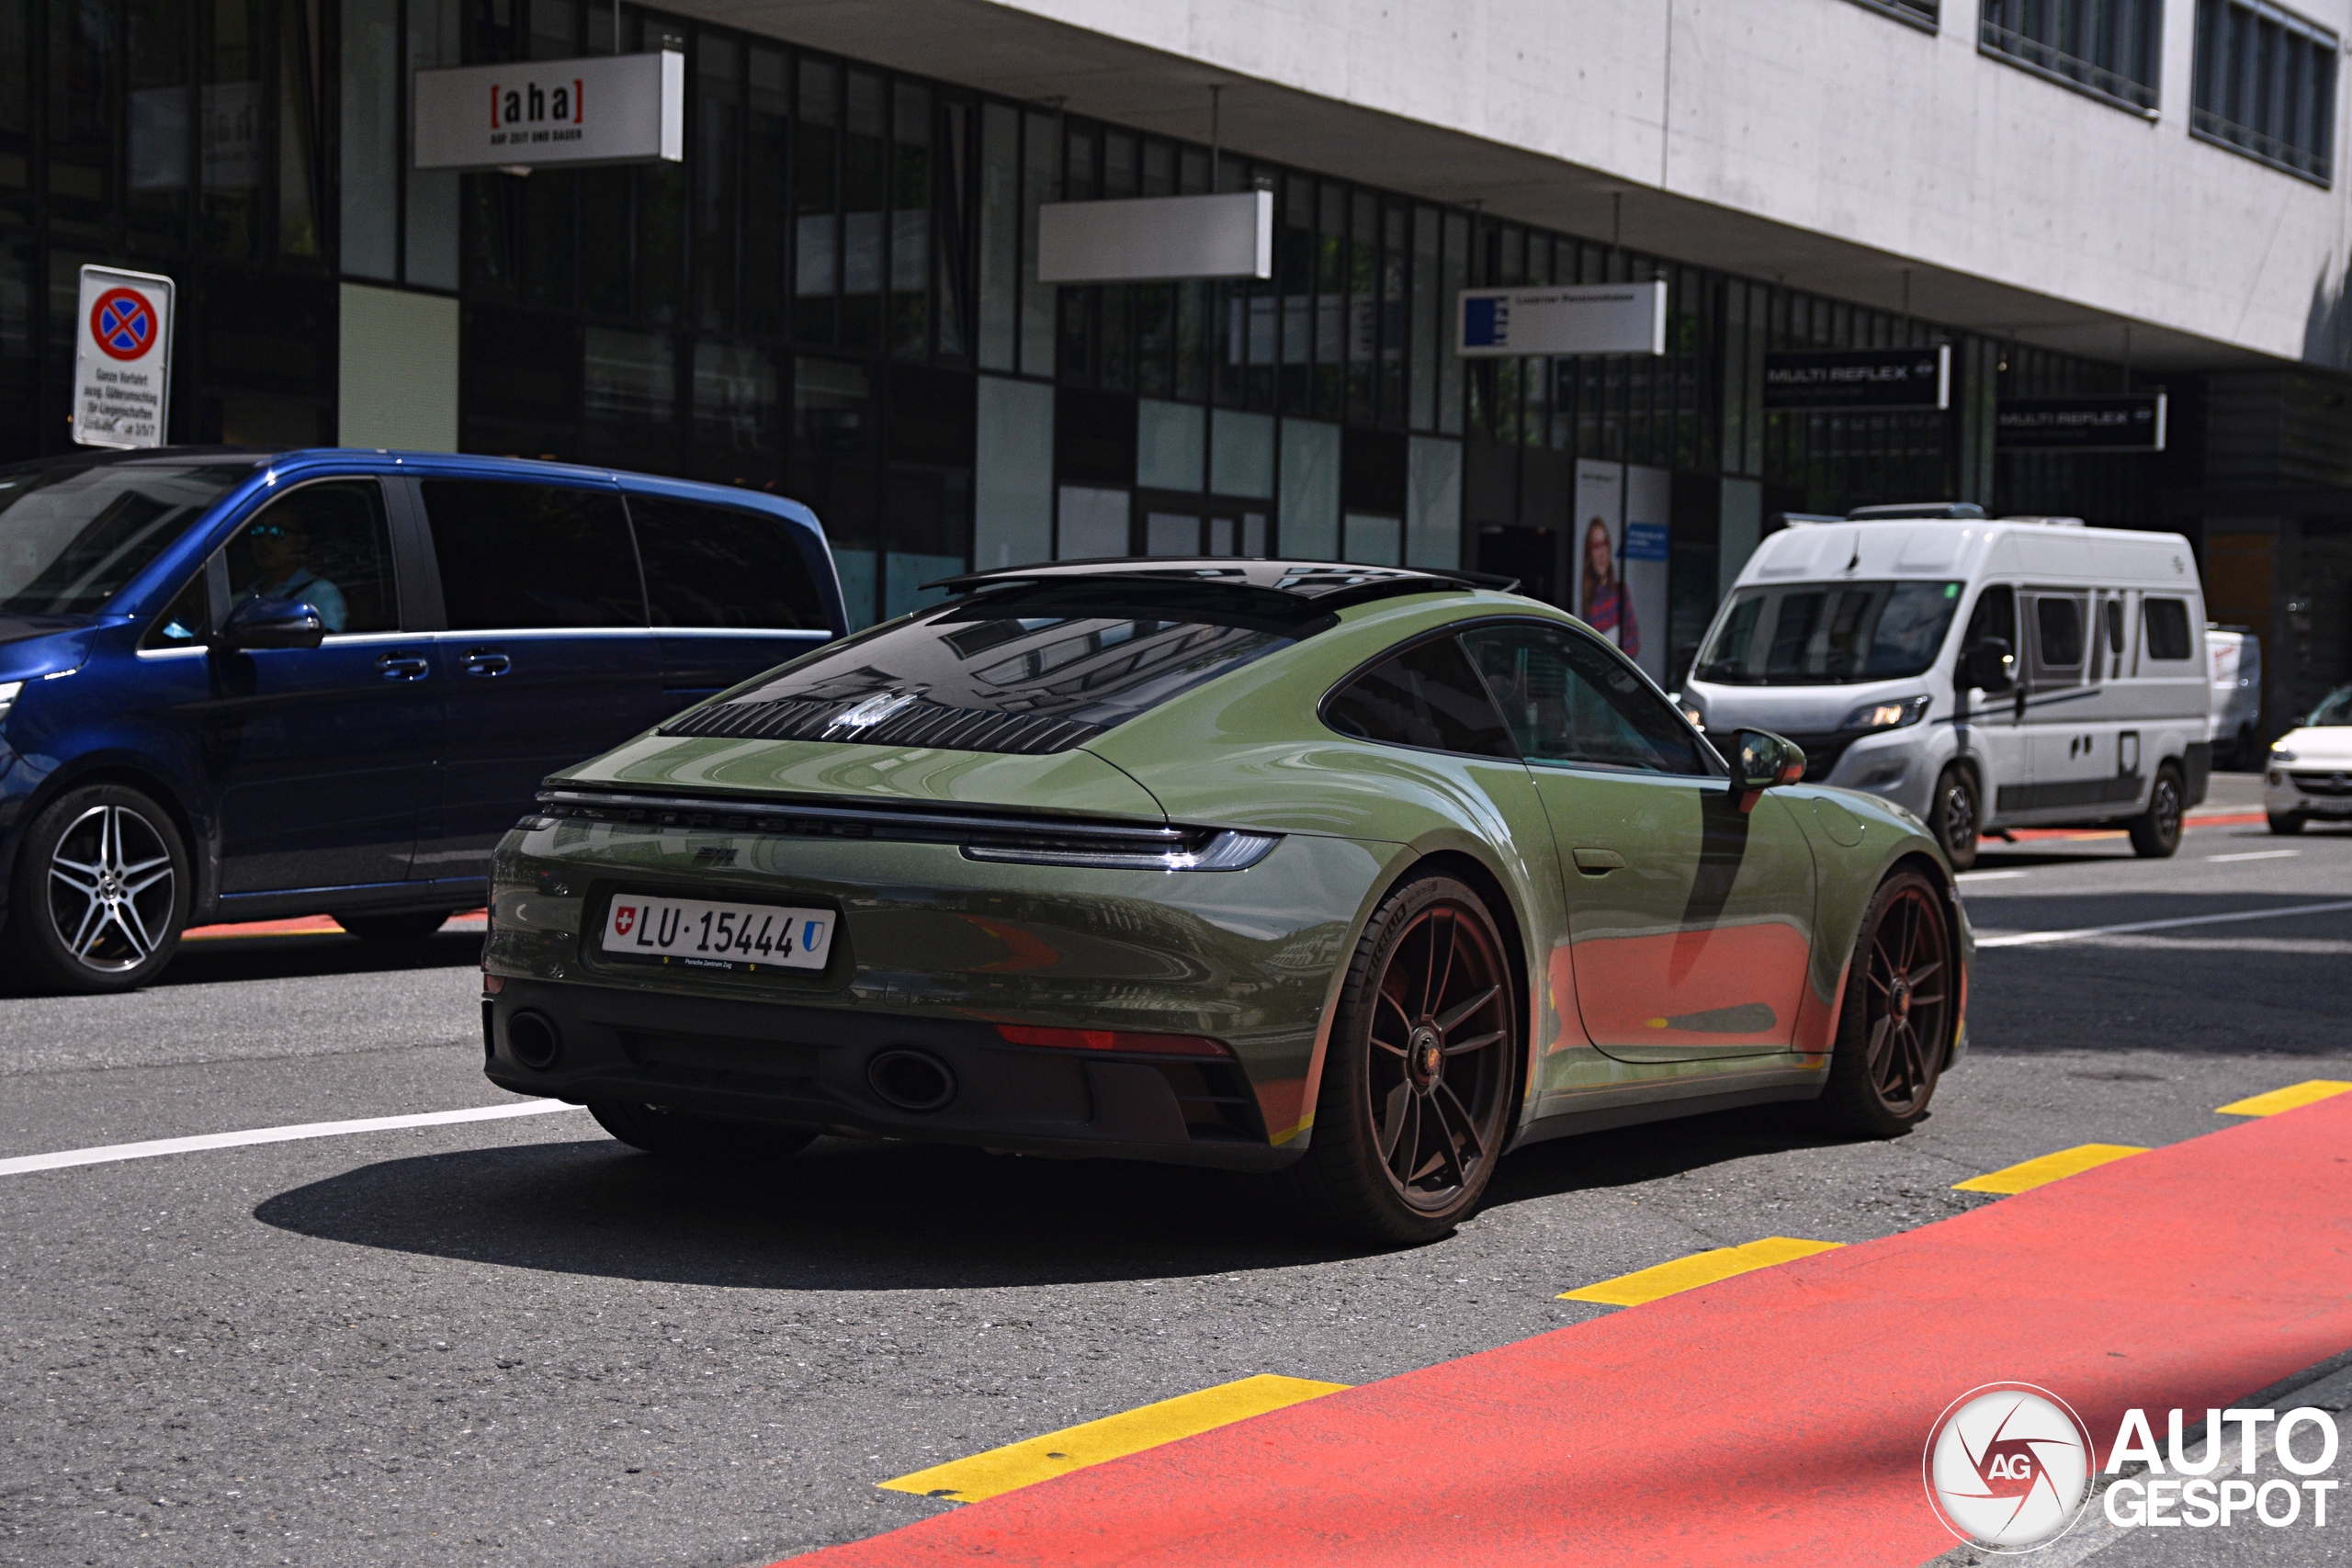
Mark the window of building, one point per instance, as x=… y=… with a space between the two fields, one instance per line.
x=1918 y=13
x=2264 y=84
x=2109 y=49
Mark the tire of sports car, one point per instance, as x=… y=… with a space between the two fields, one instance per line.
x=99 y=894
x=2287 y=825
x=675 y=1135
x=1421 y=1072
x=2156 y=833
x=1894 y=1031
x=1956 y=816
x=394 y=930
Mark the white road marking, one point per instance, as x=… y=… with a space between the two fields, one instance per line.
x=2255 y=854
x=1988 y=875
x=2034 y=939
x=108 y=1153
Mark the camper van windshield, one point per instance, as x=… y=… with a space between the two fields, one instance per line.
x=2335 y=710
x=1826 y=633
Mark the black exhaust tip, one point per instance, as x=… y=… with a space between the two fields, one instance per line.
x=534 y=1039
x=912 y=1080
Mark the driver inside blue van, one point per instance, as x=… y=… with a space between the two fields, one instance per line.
x=281 y=550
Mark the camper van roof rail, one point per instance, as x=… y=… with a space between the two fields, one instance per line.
x=2047 y=522
x=1919 y=512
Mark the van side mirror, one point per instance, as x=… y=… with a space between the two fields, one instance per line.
x=272 y=622
x=1761 y=760
x=1989 y=664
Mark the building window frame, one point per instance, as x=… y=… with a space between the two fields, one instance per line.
x=2127 y=33
x=1923 y=15
x=2290 y=57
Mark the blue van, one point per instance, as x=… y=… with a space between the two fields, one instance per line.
x=242 y=685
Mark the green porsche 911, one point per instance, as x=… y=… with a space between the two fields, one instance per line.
x=1361 y=874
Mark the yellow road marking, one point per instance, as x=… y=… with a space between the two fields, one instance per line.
x=1074 y=1447
x=1699 y=1269
x=2286 y=1099
x=2041 y=1172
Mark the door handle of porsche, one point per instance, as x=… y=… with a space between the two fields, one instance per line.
x=1599 y=862
x=404 y=666
x=485 y=663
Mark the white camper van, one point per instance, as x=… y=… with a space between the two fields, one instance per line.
x=1984 y=675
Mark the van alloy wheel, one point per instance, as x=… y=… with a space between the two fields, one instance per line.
x=111 y=889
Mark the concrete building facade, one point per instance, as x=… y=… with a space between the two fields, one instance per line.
x=834 y=293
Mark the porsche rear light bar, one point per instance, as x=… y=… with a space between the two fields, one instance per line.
x=1116 y=1040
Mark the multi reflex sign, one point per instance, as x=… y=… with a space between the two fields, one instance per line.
x=604 y=108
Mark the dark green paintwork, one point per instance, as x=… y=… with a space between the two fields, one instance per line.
x=1251 y=957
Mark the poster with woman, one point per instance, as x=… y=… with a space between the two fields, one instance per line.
x=1599 y=598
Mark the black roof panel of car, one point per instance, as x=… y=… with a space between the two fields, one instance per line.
x=1324 y=583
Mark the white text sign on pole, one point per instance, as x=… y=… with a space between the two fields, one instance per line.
x=1157 y=239
x=1601 y=318
x=122 y=358
x=604 y=109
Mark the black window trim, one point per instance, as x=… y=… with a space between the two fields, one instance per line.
x=1717 y=767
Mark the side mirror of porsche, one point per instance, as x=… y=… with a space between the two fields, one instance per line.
x=1761 y=760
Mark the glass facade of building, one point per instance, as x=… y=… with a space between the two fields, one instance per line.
x=834 y=296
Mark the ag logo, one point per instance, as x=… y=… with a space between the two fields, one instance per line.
x=2009 y=1467
x=624 y=920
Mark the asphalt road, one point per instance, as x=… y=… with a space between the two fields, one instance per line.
x=519 y=1342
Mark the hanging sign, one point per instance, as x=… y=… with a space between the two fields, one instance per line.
x=602 y=108
x=1157 y=239
x=122 y=358
x=1602 y=318
x=1870 y=379
x=2132 y=423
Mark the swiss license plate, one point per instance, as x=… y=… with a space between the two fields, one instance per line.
x=698 y=934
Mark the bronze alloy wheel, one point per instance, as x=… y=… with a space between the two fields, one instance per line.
x=1906 y=1000
x=1418 y=1074
x=1896 y=1028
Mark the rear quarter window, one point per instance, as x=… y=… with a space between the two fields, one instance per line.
x=2167 y=623
x=721 y=566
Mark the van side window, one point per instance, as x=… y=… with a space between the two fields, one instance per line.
x=514 y=557
x=716 y=566
x=186 y=621
x=323 y=544
x=2057 y=638
x=1995 y=615
x=2167 y=622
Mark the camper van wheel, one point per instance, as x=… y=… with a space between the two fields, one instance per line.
x=2288 y=825
x=1955 y=816
x=2156 y=833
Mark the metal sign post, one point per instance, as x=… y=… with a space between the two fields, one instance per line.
x=122 y=358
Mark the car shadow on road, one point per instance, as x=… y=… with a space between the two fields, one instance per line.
x=859 y=1217
x=326 y=952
